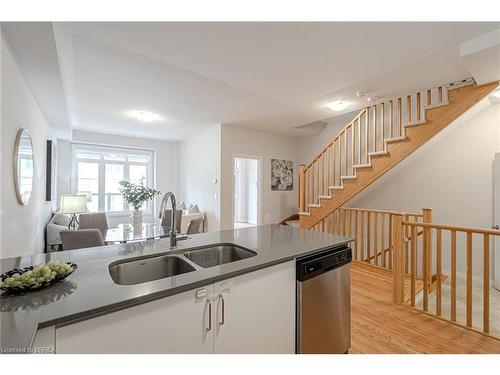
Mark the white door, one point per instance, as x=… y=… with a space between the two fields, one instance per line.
x=496 y=192
x=182 y=323
x=251 y=316
x=246 y=190
x=237 y=195
x=253 y=191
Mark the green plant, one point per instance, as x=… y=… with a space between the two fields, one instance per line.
x=137 y=194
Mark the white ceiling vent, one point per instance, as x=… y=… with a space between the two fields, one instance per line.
x=313 y=128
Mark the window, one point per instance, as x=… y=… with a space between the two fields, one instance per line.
x=99 y=170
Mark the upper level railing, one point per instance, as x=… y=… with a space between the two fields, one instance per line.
x=371 y=231
x=442 y=270
x=445 y=258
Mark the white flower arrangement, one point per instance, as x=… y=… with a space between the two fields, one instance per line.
x=137 y=194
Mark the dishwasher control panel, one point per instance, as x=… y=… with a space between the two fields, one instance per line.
x=316 y=264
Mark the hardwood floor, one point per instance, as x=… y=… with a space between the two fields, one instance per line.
x=378 y=326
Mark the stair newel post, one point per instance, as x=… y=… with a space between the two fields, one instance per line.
x=302 y=188
x=397 y=258
x=427 y=259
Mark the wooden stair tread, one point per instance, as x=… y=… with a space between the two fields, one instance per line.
x=376 y=153
x=358 y=166
x=416 y=123
x=395 y=139
x=443 y=104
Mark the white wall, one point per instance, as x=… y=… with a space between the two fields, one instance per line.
x=275 y=205
x=452 y=174
x=166 y=163
x=63 y=168
x=22 y=227
x=199 y=165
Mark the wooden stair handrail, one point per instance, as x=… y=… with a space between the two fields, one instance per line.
x=290 y=218
x=381 y=211
x=456 y=228
x=336 y=137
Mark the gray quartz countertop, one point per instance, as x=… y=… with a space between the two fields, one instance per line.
x=90 y=291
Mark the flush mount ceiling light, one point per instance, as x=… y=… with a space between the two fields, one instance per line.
x=145 y=116
x=338 y=105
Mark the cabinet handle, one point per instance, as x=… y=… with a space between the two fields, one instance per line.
x=223 y=314
x=209 y=328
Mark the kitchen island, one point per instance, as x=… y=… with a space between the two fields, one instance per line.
x=247 y=305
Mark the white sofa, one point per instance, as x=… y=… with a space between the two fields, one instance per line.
x=186 y=218
x=190 y=213
x=58 y=223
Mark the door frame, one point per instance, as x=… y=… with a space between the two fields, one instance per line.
x=496 y=220
x=259 y=185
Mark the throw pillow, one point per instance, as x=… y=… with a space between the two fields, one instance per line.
x=61 y=219
x=193 y=209
x=181 y=206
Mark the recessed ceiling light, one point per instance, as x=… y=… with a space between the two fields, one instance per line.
x=338 y=105
x=145 y=116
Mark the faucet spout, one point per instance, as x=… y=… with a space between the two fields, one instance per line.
x=173 y=233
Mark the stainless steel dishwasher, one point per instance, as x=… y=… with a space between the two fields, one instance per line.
x=324 y=302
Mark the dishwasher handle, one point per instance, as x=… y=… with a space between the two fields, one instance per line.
x=315 y=266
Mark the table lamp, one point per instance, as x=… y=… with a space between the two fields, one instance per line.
x=73 y=204
x=88 y=194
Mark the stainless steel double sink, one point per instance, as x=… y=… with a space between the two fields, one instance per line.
x=142 y=269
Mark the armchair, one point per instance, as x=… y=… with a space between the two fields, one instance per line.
x=58 y=223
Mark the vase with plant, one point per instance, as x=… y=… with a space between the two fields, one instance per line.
x=136 y=195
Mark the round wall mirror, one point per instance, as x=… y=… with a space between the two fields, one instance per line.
x=23 y=166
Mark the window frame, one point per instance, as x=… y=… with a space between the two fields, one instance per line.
x=101 y=162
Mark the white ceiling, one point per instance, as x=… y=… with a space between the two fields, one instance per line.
x=482 y=56
x=266 y=76
x=34 y=46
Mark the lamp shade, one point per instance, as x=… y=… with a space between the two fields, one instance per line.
x=88 y=194
x=73 y=204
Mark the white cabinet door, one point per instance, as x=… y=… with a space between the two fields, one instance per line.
x=255 y=312
x=175 y=324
